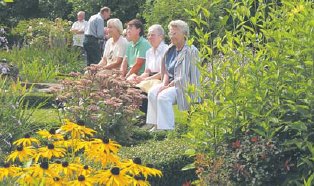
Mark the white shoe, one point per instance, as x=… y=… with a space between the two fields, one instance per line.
x=153 y=129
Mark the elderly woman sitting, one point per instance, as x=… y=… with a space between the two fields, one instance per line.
x=154 y=56
x=115 y=47
x=178 y=69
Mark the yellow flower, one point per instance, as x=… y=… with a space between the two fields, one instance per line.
x=66 y=143
x=49 y=152
x=86 y=170
x=96 y=155
x=297 y=9
x=139 y=181
x=41 y=170
x=27 y=179
x=56 y=166
x=106 y=145
x=78 y=145
x=8 y=170
x=51 y=135
x=55 y=181
x=22 y=153
x=26 y=141
x=69 y=169
x=77 y=131
x=82 y=181
x=135 y=167
x=113 y=177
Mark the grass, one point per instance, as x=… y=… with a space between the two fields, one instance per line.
x=47 y=116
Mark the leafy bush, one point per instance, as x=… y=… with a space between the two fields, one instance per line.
x=43 y=33
x=15 y=118
x=164 y=11
x=168 y=156
x=49 y=62
x=104 y=101
x=258 y=76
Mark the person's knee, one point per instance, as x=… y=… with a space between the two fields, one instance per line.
x=151 y=95
x=162 y=99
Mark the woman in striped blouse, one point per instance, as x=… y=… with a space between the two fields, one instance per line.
x=178 y=70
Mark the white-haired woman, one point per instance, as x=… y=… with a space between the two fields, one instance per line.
x=154 y=55
x=178 y=69
x=115 y=47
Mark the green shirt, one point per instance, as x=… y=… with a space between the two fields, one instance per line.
x=137 y=50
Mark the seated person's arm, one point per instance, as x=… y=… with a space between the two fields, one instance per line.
x=115 y=64
x=145 y=74
x=103 y=62
x=165 y=81
x=124 y=67
x=155 y=76
x=137 y=66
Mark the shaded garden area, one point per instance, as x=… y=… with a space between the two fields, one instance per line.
x=254 y=125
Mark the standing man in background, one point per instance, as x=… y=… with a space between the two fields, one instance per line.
x=94 y=35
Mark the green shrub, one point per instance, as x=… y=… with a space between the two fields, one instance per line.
x=15 y=117
x=259 y=76
x=49 y=62
x=167 y=156
x=43 y=32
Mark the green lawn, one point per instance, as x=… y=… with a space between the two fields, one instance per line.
x=49 y=117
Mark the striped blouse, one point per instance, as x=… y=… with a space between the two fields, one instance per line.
x=185 y=73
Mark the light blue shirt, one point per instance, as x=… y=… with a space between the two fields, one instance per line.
x=95 y=26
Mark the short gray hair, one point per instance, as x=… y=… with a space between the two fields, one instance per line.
x=81 y=12
x=116 y=23
x=181 y=25
x=157 y=28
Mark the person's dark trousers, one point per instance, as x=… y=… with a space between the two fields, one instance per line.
x=92 y=49
x=144 y=105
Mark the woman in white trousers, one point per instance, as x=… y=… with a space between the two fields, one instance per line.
x=178 y=70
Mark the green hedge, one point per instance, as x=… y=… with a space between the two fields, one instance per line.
x=167 y=156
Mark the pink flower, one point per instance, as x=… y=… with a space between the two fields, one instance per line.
x=254 y=139
x=236 y=144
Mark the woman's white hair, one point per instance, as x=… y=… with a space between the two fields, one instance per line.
x=116 y=23
x=157 y=29
x=181 y=25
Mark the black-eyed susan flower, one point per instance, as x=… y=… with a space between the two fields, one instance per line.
x=135 y=167
x=56 y=166
x=27 y=179
x=86 y=170
x=26 y=141
x=55 y=181
x=50 y=135
x=139 y=180
x=50 y=151
x=22 y=153
x=113 y=177
x=7 y=171
x=67 y=143
x=82 y=181
x=95 y=155
x=68 y=169
x=76 y=131
x=106 y=145
x=41 y=170
x=81 y=144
